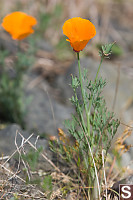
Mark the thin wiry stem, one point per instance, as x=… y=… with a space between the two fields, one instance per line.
x=98 y=185
x=104 y=174
x=9 y=157
x=20 y=157
x=42 y=154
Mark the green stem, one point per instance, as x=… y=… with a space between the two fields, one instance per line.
x=80 y=113
x=83 y=126
x=102 y=57
x=83 y=95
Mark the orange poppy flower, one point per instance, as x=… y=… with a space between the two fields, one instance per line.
x=19 y=25
x=79 y=31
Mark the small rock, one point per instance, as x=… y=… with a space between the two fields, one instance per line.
x=7 y=139
x=45 y=114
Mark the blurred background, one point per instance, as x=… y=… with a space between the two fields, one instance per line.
x=53 y=57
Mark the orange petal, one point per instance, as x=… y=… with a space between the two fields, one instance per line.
x=19 y=24
x=79 y=45
x=79 y=31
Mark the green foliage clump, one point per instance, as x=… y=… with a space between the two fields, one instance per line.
x=12 y=102
x=115 y=49
x=47 y=184
x=102 y=123
x=32 y=158
x=92 y=126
